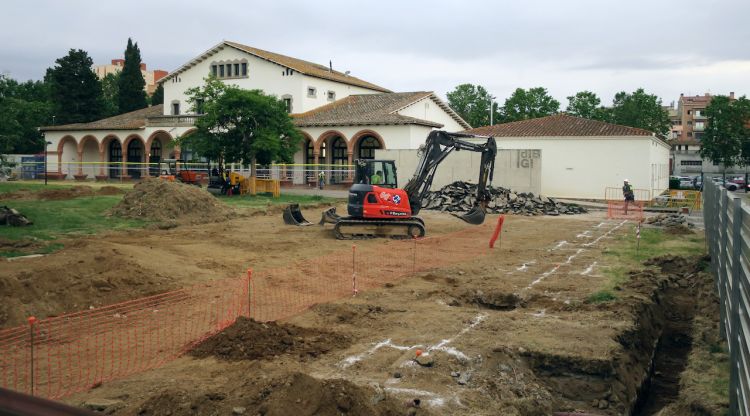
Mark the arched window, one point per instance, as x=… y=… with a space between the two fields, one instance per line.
x=339 y=158
x=135 y=155
x=154 y=157
x=309 y=152
x=367 y=147
x=115 y=158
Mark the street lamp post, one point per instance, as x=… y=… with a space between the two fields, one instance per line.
x=46 y=143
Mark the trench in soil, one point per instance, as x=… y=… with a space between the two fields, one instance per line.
x=644 y=376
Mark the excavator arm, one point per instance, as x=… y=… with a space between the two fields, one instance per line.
x=438 y=146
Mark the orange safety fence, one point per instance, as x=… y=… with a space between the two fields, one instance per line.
x=619 y=210
x=62 y=355
x=59 y=356
x=285 y=292
x=615 y=194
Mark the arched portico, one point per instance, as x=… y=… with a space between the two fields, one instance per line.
x=158 y=148
x=334 y=152
x=111 y=152
x=88 y=155
x=364 y=144
x=67 y=156
x=134 y=152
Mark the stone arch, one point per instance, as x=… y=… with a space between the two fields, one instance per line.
x=67 y=153
x=157 y=149
x=362 y=135
x=89 y=153
x=327 y=135
x=134 y=151
x=110 y=150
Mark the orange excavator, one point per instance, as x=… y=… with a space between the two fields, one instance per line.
x=171 y=170
x=379 y=208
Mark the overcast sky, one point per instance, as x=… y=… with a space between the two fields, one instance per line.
x=664 y=46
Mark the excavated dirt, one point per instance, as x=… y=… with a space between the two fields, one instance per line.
x=60 y=194
x=510 y=332
x=295 y=394
x=159 y=200
x=247 y=339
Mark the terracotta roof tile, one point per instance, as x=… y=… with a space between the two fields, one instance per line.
x=365 y=109
x=304 y=67
x=128 y=121
x=558 y=125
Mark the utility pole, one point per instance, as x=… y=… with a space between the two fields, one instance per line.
x=492 y=98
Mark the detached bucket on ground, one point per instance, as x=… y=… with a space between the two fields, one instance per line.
x=293 y=216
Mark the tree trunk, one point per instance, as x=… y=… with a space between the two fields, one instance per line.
x=253 y=166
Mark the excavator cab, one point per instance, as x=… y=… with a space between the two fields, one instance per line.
x=376 y=172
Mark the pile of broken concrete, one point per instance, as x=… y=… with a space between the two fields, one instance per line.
x=668 y=220
x=461 y=196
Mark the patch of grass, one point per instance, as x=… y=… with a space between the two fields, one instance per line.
x=625 y=254
x=263 y=200
x=27 y=186
x=55 y=219
x=601 y=296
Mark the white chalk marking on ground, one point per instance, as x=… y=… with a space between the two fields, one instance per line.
x=525 y=266
x=589 y=269
x=600 y=224
x=432 y=399
x=559 y=245
x=539 y=314
x=585 y=234
x=30 y=256
x=353 y=359
x=606 y=234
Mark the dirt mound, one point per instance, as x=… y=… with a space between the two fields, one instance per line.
x=159 y=200
x=296 y=394
x=75 y=285
x=247 y=339
x=57 y=194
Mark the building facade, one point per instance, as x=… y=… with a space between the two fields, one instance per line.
x=581 y=158
x=341 y=117
x=151 y=77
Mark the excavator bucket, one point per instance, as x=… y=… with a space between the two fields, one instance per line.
x=293 y=216
x=329 y=216
x=475 y=216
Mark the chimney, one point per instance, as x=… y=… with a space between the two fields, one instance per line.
x=330 y=66
x=143 y=66
x=707 y=95
x=731 y=95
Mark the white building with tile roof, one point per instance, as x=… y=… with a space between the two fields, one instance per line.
x=341 y=116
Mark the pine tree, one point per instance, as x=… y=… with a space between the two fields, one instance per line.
x=131 y=92
x=158 y=96
x=75 y=91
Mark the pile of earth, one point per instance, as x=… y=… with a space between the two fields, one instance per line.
x=295 y=394
x=248 y=339
x=61 y=193
x=160 y=200
x=672 y=223
x=461 y=196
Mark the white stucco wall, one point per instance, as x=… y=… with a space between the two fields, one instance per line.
x=261 y=74
x=582 y=167
x=427 y=109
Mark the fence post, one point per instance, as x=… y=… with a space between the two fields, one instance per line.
x=735 y=306
x=414 y=256
x=32 y=322
x=721 y=256
x=354 y=270
x=249 y=292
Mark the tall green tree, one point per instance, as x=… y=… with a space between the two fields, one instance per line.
x=110 y=94
x=23 y=108
x=531 y=103
x=640 y=110
x=132 y=95
x=158 y=96
x=727 y=137
x=245 y=126
x=472 y=103
x=75 y=92
x=586 y=104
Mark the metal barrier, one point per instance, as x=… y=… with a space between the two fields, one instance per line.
x=727 y=221
x=684 y=198
x=620 y=210
x=615 y=194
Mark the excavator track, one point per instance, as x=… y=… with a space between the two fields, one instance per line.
x=349 y=228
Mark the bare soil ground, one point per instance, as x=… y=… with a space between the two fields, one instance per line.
x=510 y=333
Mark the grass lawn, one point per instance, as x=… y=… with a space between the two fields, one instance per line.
x=35 y=186
x=56 y=219
x=624 y=255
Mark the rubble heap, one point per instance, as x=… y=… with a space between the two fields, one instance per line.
x=668 y=220
x=460 y=196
